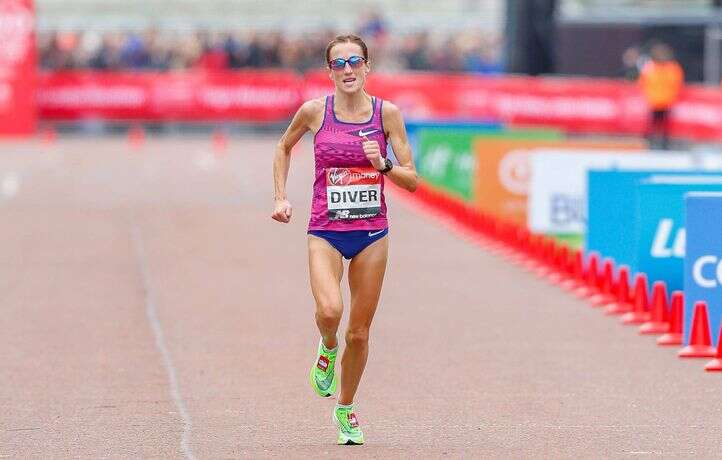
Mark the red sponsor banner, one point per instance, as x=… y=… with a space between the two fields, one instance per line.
x=577 y=105
x=17 y=68
x=257 y=96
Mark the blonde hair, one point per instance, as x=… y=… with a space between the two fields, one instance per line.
x=347 y=39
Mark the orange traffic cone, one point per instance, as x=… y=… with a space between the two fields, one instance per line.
x=220 y=141
x=659 y=317
x=640 y=311
x=700 y=342
x=674 y=336
x=524 y=248
x=590 y=277
x=49 y=135
x=623 y=301
x=559 y=272
x=136 y=136
x=577 y=272
x=716 y=364
x=548 y=249
x=604 y=296
x=535 y=245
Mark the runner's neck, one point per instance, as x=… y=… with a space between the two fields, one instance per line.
x=352 y=104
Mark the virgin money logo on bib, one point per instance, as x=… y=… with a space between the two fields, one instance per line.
x=16 y=26
x=339 y=176
x=353 y=193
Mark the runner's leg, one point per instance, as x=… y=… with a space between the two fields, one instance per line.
x=365 y=277
x=326 y=270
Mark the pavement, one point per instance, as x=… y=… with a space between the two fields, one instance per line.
x=151 y=308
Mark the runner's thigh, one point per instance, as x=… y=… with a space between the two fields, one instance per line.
x=326 y=270
x=366 y=277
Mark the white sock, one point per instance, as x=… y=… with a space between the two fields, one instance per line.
x=328 y=350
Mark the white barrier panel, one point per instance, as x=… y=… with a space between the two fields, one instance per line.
x=558 y=186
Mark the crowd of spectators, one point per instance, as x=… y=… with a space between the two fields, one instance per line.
x=162 y=50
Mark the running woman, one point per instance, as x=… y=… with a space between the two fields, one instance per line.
x=348 y=214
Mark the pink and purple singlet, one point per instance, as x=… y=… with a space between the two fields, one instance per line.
x=348 y=193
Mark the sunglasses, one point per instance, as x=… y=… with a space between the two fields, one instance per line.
x=340 y=63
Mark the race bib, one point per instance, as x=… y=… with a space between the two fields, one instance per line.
x=353 y=193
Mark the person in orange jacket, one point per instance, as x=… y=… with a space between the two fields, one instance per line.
x=661 y=80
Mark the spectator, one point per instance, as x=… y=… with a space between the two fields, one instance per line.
x=661 y=80
x=133 y=53
x=156 y=50
x=214 y=56
x=372 y=26
x=414 y=51
x=632 y=61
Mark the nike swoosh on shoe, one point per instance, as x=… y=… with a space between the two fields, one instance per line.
x=325 y=383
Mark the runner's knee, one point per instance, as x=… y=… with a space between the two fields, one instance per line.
x=328 y=314
x=357 y=337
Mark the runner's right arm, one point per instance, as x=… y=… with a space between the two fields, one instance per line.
x=282 y=159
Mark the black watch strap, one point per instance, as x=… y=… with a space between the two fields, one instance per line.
x=388 y=166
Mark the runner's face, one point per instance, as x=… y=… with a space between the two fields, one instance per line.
x=348 y=79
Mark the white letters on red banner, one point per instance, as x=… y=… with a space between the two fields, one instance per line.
x=576 y=105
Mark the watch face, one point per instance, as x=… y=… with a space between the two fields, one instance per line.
x=387 y=166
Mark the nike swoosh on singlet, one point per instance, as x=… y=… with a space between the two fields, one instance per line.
x=361 y=132
x=375 y=233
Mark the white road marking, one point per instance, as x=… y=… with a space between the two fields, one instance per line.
x=205 y=161
x=10 y=184
x=151 y=312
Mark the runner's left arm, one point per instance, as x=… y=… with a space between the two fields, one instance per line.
x=404 y=174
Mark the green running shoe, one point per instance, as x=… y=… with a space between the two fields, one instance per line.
x=323 y=378
x=349 y=432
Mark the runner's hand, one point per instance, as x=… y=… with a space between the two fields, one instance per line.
x=373 y=153
x=282 y=211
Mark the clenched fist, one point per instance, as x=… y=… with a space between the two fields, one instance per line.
x=373 y=153
x=282 y=211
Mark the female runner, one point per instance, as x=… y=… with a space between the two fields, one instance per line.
x=348 y=214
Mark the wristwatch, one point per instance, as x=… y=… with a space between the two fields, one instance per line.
x=388 y=166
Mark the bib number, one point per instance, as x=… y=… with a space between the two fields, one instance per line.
x=353 y=193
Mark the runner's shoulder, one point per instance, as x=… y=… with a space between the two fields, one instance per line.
x=391 y=116
x=389 y=109
x=312 y=108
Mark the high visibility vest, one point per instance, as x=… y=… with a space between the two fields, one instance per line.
x=661 y=83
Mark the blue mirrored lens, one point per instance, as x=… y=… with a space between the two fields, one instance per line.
x=340 y=63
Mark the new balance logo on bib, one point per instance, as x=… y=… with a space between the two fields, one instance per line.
x=353 y=193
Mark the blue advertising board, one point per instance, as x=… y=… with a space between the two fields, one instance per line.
x=703 y=260
x=611 y=214
x=612 y=211
x=661 y=233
